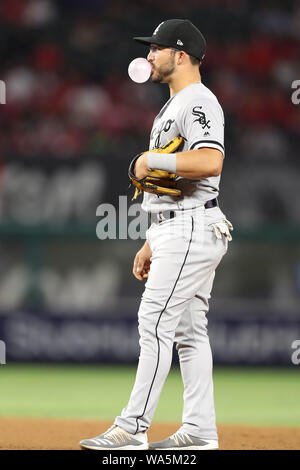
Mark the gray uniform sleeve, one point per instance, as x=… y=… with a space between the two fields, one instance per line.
x=202 y=124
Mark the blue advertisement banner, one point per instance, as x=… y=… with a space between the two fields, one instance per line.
x=42 y=337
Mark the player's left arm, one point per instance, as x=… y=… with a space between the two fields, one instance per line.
x=202 y=123
x=193 y=164
x=200 y=163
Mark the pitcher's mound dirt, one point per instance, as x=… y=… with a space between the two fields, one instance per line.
x=16 y=433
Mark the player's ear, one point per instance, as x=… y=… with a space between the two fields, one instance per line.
x=182 y=57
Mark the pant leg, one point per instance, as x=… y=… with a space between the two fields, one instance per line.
x=196 y=367
x=194 y=351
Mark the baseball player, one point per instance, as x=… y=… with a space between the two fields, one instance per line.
x=185 y=243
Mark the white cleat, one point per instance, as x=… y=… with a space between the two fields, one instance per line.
x=184 y=441
x=116 y=438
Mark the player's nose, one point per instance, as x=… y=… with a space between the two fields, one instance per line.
x=150 y=57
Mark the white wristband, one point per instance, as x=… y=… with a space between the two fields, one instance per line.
x=162 y=161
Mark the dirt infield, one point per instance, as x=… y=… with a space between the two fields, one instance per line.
x=16 y=433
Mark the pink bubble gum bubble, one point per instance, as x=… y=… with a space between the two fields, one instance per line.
x=139 y=70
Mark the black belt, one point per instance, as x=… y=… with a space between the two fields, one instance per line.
x=161 y=216
x=211 y=203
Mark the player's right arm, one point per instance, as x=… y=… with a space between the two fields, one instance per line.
x=142 y=261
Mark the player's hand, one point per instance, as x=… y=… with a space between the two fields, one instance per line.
x=141 y=169
x=142 y=262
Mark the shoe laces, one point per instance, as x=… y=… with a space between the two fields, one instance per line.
x=181 y=437
x=117 y=434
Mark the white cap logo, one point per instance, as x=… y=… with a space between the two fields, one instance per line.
x=156 y=30
x=179 y=42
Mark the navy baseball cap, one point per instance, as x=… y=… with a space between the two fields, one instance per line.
x=178 y=34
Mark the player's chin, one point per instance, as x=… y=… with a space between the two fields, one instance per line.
x=156 y=78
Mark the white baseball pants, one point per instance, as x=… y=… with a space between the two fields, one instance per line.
x=185 y=254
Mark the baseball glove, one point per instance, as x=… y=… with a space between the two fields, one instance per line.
x=158 y=182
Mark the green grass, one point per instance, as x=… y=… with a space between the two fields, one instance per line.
x=246 y=396
x=258 y=396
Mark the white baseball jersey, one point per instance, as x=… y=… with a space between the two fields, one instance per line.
x=195 y=114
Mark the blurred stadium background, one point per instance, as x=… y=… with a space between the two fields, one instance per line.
x=72 y=121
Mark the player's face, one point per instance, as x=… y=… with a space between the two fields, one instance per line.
x=162 y=60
